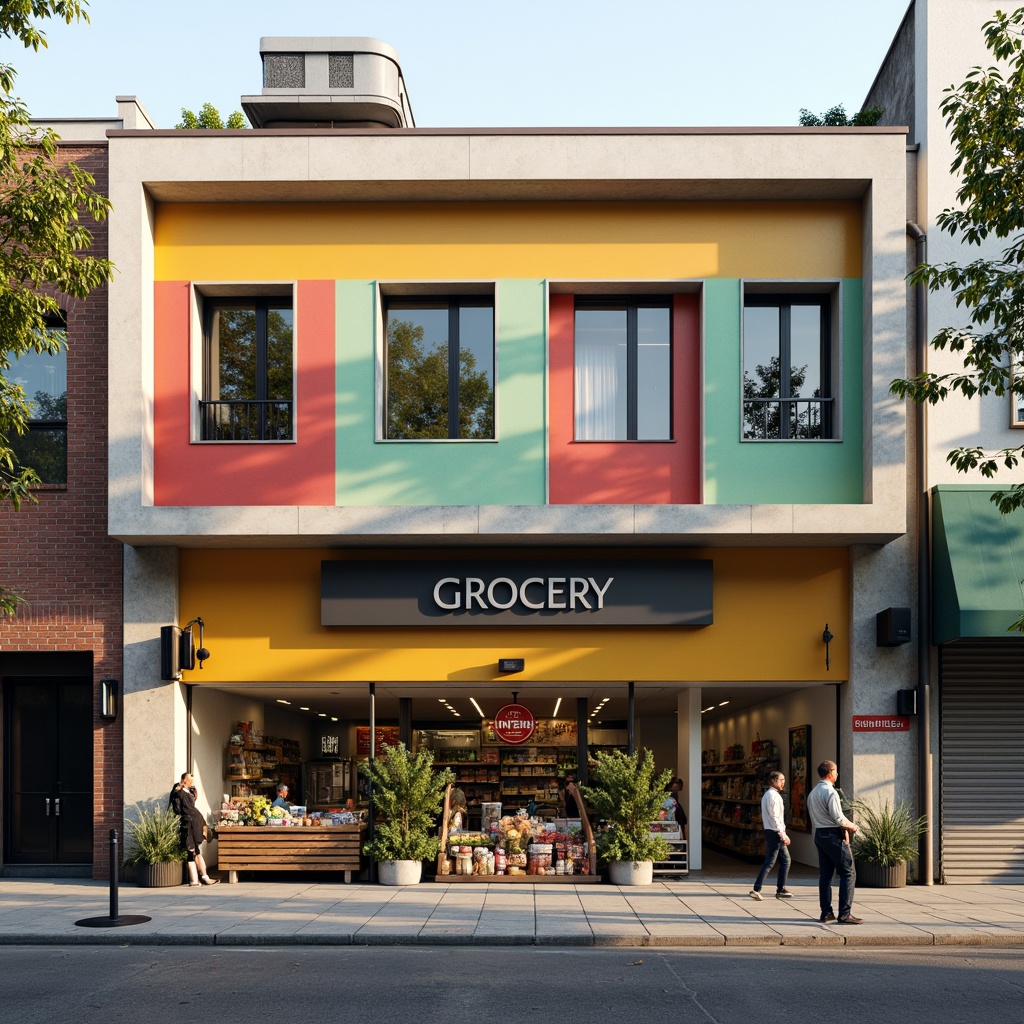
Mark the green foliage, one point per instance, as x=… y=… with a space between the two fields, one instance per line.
x=43 y=242
x=985 y=116
x=887 y=836
x=209 y=119
x=836 y=117
x=627 y=792
x=408 y=797
x=154 y=836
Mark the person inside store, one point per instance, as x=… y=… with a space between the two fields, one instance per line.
x=570 y=796
x=192 y=827
x=832 y=831
x=459 y=817
x=776 y=842
x=675 y=788
x=281 y=800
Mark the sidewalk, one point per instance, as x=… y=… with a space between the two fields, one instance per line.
x=687 y=912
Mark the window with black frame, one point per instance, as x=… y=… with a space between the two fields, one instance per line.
x=787 y=390
x=440 y=368
x=622 y=353
x=44 y=378
x=248 y=371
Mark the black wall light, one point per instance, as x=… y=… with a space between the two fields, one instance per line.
x=511 y=664
x=178 y=651
x=827 y=637
x=109 y=692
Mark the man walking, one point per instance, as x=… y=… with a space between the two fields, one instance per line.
x=776 y=842
x=832 y=838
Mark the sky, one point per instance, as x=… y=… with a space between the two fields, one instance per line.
x=483 y=63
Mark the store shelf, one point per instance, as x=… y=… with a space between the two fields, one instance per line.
x=677 y=862
x=732 y=824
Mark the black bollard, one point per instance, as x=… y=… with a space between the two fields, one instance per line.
x=115 y=870
x=113 y=921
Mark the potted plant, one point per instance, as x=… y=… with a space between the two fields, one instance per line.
x=154 y=847
x=408 y=797
x=886 y=841
x=627 y=792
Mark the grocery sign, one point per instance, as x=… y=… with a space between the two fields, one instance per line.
x=514 y=724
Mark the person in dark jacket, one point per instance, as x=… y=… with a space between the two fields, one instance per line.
x=192 y=825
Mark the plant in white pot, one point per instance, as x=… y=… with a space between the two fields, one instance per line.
x=407 y=796
x=154 y=846
x=885 y=842
x=627 y=791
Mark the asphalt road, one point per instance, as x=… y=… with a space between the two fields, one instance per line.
x=161 y=985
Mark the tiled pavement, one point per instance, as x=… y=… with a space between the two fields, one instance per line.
x=687 y=912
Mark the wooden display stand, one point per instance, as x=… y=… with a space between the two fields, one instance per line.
x=290 y=848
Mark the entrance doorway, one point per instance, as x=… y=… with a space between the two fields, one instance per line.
x=48 y=771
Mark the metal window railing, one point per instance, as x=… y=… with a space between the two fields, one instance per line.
x=247 y=420
x=791 y=419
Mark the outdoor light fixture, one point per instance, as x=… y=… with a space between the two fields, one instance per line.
x=511 y=664
x=828 y=638
x=178 y=652
x=108 y=698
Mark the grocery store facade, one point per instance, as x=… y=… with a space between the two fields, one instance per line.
x=669 y=554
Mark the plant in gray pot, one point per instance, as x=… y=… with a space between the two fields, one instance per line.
x=154 y=846
x=886 y=842
x=407 y=796
x=626 y=792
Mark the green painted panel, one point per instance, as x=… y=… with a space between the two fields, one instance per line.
x=776 y=472
x=978 y=564
x=508 y=471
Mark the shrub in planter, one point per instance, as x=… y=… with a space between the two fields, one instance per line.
x=154 y=846
x=885 y=843
x=408 y=797
x=626 y=792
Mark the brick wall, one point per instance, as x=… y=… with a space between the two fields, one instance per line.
x=56 y=554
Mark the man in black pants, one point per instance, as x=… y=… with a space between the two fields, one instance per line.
x=832 y=831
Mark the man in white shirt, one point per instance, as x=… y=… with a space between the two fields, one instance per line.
x=776 y=842
x=832 y=831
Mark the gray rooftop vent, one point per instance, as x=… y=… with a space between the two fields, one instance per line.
x=329 y=82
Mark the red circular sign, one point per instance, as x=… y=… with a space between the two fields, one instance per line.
x=514 y=724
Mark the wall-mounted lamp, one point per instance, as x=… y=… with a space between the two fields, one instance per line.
x=109 y=689
x=178 y=652
x=827 y=637
x=511 y=664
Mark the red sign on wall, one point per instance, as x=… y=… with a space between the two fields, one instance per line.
x=514 y=724
x=881 y=723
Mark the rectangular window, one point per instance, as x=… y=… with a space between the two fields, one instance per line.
x=248 y=370
x=623 y=369
x=440 y=369
x=787 y=389
x=1016 y=401
x=44 y=378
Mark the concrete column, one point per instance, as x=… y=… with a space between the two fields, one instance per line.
x=155 y=723
x=688 y=765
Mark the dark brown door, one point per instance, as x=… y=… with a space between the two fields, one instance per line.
x=48 y=771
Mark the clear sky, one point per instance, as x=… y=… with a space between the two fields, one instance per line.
x=484 y=63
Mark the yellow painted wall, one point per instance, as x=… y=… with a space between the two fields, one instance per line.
x=262 y=615
x=467 y=241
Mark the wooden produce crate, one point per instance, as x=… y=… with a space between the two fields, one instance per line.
x=290 y=848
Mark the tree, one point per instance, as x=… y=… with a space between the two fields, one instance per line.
x=209 y=119
x=835 y=117
x=985 y=115
x=43 y=242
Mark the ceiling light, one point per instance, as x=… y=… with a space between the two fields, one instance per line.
x=279 y=701
x=472 y=700
x=303 y=709
x=441 y=700
x=322 y=715
x=706 y=710
x=558 y=704
x=333 y=718
x=724 y=702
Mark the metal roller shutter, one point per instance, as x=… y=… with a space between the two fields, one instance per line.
x=982 y=759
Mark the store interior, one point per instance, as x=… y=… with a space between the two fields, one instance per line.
x=313 y=738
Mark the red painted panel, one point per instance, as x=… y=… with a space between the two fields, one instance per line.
x=626 y=472
x=189 y=474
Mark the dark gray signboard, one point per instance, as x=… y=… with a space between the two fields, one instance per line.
x=535 y=592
